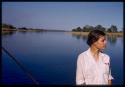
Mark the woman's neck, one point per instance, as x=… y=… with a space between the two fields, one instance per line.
x=95 y=52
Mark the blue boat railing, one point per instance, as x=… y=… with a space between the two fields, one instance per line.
x=21 y=66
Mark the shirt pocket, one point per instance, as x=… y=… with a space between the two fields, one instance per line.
x=105 y=76
x=89 y=76
x=105 y=68
x=106 y=72
x=89 y=73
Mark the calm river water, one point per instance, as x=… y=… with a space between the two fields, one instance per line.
x=51 y=57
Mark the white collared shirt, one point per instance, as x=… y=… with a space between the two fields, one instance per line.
x=91 y=72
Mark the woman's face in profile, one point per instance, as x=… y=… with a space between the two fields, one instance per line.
x=101 y=42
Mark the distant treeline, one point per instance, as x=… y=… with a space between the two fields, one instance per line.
x=10 y=27
x=88 y=28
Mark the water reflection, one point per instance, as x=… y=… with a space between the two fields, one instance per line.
x=84 y=37
x=23 y=31
x=31 y=31
x=54 y=63
x=8 y=33
x=112 y=39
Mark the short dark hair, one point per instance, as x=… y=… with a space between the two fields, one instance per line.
x=94 y=35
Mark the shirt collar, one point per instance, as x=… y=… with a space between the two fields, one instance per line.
x=90 y=55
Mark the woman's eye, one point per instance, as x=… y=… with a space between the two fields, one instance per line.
x=103 y=40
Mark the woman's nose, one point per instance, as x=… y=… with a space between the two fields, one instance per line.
x=105 y=42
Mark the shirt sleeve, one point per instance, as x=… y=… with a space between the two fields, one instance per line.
x=110 y=76
x=79 y=71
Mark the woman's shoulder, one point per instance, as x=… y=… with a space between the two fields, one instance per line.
x=81 y=55
x=105 y=57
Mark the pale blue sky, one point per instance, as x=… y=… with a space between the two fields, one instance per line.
x=62 y=15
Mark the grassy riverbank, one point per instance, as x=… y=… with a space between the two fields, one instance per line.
x=5 y=30
x=86 y=33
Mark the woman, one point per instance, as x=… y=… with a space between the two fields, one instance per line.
x=93 y=66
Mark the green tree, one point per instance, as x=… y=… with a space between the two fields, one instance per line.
x=87 y=28
x=73 y=29
x=100 y=27
x=8 y=26
x=113 y=28
x=23 y=28
x=109 y=30
x=78 y=29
